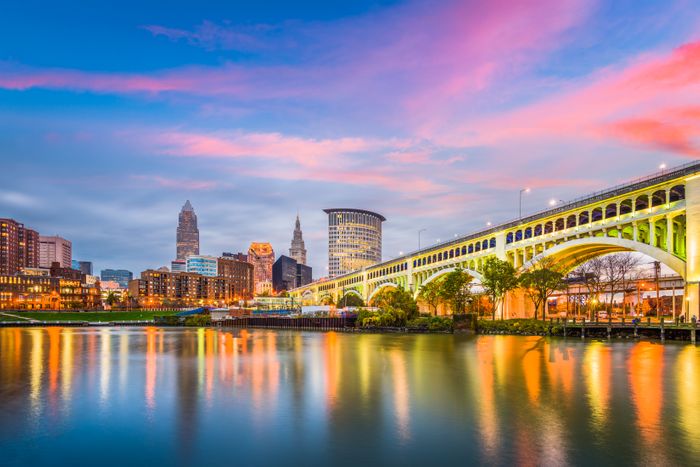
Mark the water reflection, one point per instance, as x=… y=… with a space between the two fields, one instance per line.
x=345 y=398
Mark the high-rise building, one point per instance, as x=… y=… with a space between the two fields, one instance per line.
x=288 y=274
x=304 y=275
x=298 y=250
x=354 y=240
x=55 y=249
x=284 y=273
x=202 y=264
x=120 y=276
x=240 y=272
x=187 y=232
x=83 y=266
x=19 y=247
x=261 y=256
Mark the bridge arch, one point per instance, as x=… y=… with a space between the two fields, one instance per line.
x=379 y=287
x=354 y=292
x=575 y=252
x=475 y=274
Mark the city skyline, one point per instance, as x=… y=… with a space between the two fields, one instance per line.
x=251 y=121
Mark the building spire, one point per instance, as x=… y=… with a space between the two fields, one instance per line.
x=298 y=249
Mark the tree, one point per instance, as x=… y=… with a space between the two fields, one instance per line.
x=624 y=268
x=430 y=293
x=455 y=290
x=541 y=281
x=397 y=299
x=591 y=273
x=498 y=278
x=350 y=299
x=112 y=298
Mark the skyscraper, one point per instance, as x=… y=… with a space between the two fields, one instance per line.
x=298 y=250
x=354 y=239
x=261 y=256
x=187 y=232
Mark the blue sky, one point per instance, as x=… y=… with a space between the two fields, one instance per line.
x=434 y=114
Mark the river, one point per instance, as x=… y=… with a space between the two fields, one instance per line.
x=174 y=396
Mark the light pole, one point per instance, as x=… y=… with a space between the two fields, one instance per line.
x=419 y=232
x=520 y=205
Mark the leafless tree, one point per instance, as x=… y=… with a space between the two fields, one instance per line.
x=592 y=274
x=627 y=265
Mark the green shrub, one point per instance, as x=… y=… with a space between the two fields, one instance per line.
x=431 y=323
x=519 y=326
x=198 y=320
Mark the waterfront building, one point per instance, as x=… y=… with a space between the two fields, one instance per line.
x=202 y=264
x=187 y=232
x=262 y=257
x=178 y=265
x=240 y=272
x=181 y=289
x=287 y=274
x=36 y=292
x=83 y=266
x=354 y=240
x=19 y=247
x=55 y=249
x=121 y=276
x=298 y=250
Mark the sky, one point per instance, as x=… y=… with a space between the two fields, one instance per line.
x=434 y=114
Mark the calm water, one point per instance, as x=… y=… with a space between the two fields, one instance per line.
x=200 y=396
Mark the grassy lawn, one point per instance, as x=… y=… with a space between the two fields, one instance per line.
x=95 y=316
x=8 y=318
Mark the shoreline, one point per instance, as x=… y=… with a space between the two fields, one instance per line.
x=524 y=328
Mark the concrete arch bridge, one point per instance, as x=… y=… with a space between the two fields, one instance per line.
x=658 y=215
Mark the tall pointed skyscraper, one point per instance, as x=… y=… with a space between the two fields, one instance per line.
x=298 y=251
x=187 y=232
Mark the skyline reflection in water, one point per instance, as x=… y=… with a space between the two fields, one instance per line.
x=206 y=396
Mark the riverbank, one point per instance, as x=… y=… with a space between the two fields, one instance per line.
x=605 y=330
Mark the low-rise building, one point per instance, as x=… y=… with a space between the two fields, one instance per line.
x=181 y=289
x=122 y=276
x=35 y=292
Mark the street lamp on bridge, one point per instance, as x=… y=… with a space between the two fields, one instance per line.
x=419 y=232
x=520 y=205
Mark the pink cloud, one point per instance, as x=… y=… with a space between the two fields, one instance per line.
x=182 y=184
x=307 y=152
x=635 y=103
x=410 y=61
